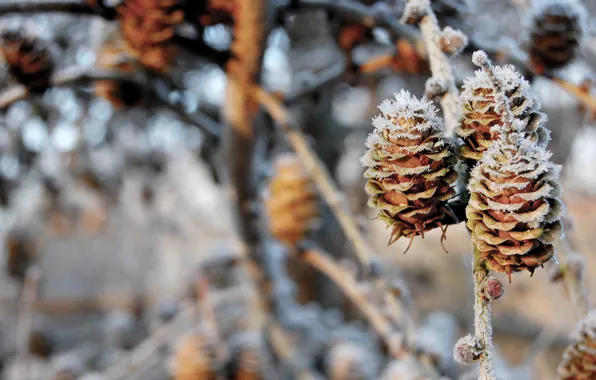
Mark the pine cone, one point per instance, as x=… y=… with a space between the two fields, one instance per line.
x=28 y=59
x=197 y=358
x=148 y=27
x=120 y=93
x=290 y=203
x=410 y=169
x=556 y=32
x=579 y=359
x=349 y=361
x=480 y=116
x=250 y=357
x=513 y=212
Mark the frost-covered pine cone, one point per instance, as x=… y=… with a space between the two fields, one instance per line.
x=480 y=116
x=148 y=26
x=579 y=359
x=513 y=213
x=113 y=56
x=196 y=357
x=28 y=59
x=556 y=32
x=410 y=168
x=291 y=202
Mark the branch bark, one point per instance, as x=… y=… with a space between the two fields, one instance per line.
x=482 y=319
x=440 y=67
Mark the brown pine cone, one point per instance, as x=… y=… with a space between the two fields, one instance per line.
x=513 y=213
x=28 y=59
x=290 y=203
x=556 y=32
x=410 y=168
x=197 y=358
x=579 y=359
x=148 y=27
x=120 y=93
x=480 y=119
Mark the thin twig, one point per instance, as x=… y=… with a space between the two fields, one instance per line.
x=25 y=321
x=160 y=339
x=36 y=6
x=284 y=349
x=321 y=177
x=482 y=319
x=439 y=66
x=346 y=282
x=573 y=282
x=240 y=111
x=356 y=12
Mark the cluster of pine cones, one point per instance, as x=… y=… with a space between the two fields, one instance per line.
x=513 y=210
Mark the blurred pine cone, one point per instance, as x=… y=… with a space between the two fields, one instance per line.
x=556 y=32
x=349 y=361
x=250 y=357
x=28 y=59
x=197 y=358
x=480 y=116
x=513 y=213
x=290 y=202
x=410 y=168
x=579 y=359
x=113 y=56
x=148 y=27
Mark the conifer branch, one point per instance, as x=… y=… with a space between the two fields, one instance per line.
x=420 y=12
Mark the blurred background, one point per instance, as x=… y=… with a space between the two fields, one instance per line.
x=110 y=207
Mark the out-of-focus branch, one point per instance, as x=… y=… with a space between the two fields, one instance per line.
x=199 y=47
x=149 y=347
x=75 y=76
x=240 y=110
x=370 y=16
x=20 y=6
x=25 y=322
x=321 y=177
x=572 y=276
x=284 y=349
x=420 y=11
x=346 y=282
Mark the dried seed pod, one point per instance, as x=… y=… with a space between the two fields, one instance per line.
x=349 y=361
x=556 y=32
x=579 y=359
x=410 y=168
x=467 y=350
x=20 y=253
x=148 y=28
x=513 y=213
x=113 y=56
x=452 y=41
x=480 y=120
x=197 y=357
x=28 y=58
x=290 y=202
x=251 y=359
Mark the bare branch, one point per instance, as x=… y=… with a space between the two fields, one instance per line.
x=354 y=11
x=482 y=320
x=439 y=62
x=36 y=6
x=323 y=180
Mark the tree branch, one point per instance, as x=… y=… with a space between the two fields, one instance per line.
x=482 y=319
x=321 y=177
x=36 y=6
x=439 y=62
x=370 y=16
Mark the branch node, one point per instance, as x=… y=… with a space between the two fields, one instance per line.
x=414 y=11
x=452 y=41
x=467 y=350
